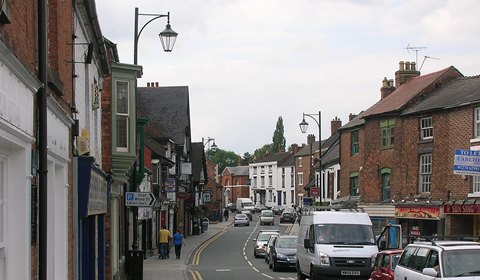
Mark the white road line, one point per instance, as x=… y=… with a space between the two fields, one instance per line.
x=254 y=268
x=223 y=270
x=250 y=263
x=267 y=275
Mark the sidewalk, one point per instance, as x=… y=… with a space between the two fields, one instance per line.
x=173 y=269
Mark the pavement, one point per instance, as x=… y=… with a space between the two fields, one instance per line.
x=173 y=269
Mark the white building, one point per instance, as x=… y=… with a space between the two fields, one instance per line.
x=272 y=180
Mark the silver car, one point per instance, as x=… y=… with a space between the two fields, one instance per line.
x=267 y=217
x=261 y=241
x=241 y=219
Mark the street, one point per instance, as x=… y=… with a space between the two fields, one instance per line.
x=230 y=255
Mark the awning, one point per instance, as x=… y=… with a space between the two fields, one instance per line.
x=309 y=185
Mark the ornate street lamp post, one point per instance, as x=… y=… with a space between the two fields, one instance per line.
x=303 y=128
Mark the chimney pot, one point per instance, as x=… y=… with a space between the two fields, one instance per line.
x=402 y=66
x=351 y=117
x=335 y=124
x=156 y=84
x=310 y=139
x=148 y=84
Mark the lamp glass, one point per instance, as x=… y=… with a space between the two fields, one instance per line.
x=214 y=147
x=168 y=37
x=303 y=126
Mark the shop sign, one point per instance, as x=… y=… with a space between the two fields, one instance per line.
x=315 y=192
x=424 y=213
x=170 y=185
x=466 y=162
x=462 y=209
x=97 y=195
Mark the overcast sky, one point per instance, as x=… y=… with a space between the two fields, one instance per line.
x=247 y=62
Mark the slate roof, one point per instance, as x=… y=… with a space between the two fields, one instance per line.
x=169 y=108
x=238 y=170
x=276 y=157
x=459 y=92
x=305 y=150
x=289 y=161
x=407 y=91
x=198 y=160
x=357 y=121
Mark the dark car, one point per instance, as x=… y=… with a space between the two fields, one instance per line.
x=288 y=215
x=277 y=209
x=248 y=213
x=385 y=263
x=283 y=252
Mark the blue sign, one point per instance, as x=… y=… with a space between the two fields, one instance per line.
x=467 y=162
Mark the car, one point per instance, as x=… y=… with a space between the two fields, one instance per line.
x=283 y=252
x=248 y=213
x=267 y=217
x=261 y=241
x=267 y=249
x=288 y=215
x=259 y=208
x=277 y=209
x=439 y=260
x=385 y=263
x=241 y=219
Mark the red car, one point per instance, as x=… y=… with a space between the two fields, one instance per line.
x=385 y=263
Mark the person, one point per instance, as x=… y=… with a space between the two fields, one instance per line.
x=326 y=235
x=164 y=239
x=225 y=214
x=178 y=241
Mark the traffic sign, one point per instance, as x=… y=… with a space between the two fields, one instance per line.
x=139 y=199
x=466 y=162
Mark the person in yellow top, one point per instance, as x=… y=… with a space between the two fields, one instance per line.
x=164 y=240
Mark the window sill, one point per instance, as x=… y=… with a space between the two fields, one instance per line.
x=474 y=195
x=475 y=141
x=425 y=141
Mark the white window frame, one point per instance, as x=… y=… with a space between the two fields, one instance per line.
x=299 y=162
x=270 y=196
x=270 y=169
x=426 y=128
x=254 y=182
x=270 y=180
x=262 y=169
x=123 y=114
x=476 y=184
x=262 y=181
x=425 y=173
x=300 y=179
x=3 y=202
x=283 y=181
x=477 y=122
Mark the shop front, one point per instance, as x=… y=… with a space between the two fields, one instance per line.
x=463 y=219
x=419 y=221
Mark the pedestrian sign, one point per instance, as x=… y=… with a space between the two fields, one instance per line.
x=139 y=199
x=466 y=162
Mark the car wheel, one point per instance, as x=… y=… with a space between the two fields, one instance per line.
x=313 y=275
x=300 y=275
x=275 y=266
x=248 y=224
x=254 y=253
x=270 y=265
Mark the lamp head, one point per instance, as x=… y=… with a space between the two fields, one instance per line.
x=214 y=147
x=168 y=37
x=303 y=125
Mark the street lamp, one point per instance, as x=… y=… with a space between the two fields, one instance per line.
x=303 y=128
x=167 y=36
x=207 y=140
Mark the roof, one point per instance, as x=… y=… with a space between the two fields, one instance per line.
x=276 y=157
x=289 y=161
x=355 y=122
x=197 y=159
x=395 y=101
x=237 y=170
x=305 y=150
x=459 y=92
x=169 y=108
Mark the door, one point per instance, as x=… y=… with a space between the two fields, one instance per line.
x=279 y=196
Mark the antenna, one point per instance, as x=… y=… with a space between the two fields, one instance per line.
x=425 y=58
x=416 y=50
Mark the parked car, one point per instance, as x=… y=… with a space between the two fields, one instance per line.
x=248 y=213
x=267 y=217
x=283 y=252
x=267 y=249
x=385 y=263
x=277 y=209
x=439 y=260
x=288 y=215
x=262 y=240
x=241 y=219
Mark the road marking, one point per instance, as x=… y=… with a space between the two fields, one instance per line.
x=195 y=275
x=268 y=276
x=249 y=263
x=223 y=270
x=254 y=268
x=196 y=257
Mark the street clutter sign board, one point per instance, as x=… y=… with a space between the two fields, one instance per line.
x=139 y=199
x=467 y=162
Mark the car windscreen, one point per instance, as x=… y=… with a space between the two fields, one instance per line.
x=287 y=243
x=347 y=234
x=458 y=263
x=264 y=236
x=267 y=214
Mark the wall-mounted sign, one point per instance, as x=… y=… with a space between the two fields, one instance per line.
x=426 y=213
x=95 y=96
x=170 y=185
x=462 y=209
x=466 y=162
x=140 y=199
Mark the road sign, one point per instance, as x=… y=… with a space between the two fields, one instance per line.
x=140 y=199
x=467 y=162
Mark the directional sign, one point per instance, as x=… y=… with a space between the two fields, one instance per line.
x=467 y=162
x=140 y=199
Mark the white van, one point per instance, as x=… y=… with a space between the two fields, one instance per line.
x=335 y=244
x=244 y=203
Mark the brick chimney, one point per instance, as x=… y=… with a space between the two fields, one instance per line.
x=351 y=117
x=295 y=148
x=310 y=139
x=387 y=88
x=335 y=124
x=406 y=71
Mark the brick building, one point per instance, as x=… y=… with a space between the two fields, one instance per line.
x=235 y=184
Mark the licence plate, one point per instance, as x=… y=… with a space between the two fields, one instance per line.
x=349 y=272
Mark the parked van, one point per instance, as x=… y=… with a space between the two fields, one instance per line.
x=244 y=204
x=335 y=244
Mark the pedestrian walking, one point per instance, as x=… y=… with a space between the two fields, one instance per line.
x=178 y=241
x=225 y=214
x=164 y=239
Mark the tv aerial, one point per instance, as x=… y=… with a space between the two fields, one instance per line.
x=416 y=50
x=425 y=58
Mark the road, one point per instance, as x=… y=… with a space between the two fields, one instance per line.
x=230 y=256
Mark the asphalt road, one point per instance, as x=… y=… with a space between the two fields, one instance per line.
x=230 y=256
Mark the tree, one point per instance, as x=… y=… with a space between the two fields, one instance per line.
x=278 y=138
x=247 y=158
x=225 y=158
x=260 y=152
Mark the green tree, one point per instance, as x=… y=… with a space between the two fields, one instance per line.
x=260 y=152
x=247 y=158
x=278 y=138
x=225 y=158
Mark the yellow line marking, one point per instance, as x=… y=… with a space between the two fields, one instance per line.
x=195 y=275
x=196 y=257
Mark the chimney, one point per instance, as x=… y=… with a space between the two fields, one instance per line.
x=335 y=124
x=387 y=88
x=148 y=84
x=310 y=139
x=295 y=148
x=156 y=84
x=351 y=117
x=407 y=70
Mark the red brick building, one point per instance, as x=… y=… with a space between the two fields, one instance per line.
x=235 y=184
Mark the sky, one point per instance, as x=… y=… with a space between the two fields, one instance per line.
x=248 y=62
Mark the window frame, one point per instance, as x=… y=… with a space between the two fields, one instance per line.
x=385 y=190
x=425 y=173
x=354 y=184
x=387 y=133
x=477 y=122
x=354 y=142
x=476 y=184
x=426 y=128
x=3 y=202
x=121 y=115
x=300 y=178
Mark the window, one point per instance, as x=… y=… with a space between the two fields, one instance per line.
x=300 y=179
x=426 y=128
x=387 y=128
x=3 y=184
x=354 y=142
x=5 y=13
x=269 y=169
x=255 y=170
x=283 y=181
x=425 y=172
x=254 y=182
x=477 y=122
x=354 y=184
x=283 y=170
x=385 y=183
x=299 y=162
x=122 y=115
x=262 y=169
x=284 y=197
x=476 y=184
x=292 y=196
x=270 y=180
x=270 y=196
x=262 y=181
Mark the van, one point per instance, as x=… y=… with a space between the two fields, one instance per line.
x=335 y=244
x=244 y=203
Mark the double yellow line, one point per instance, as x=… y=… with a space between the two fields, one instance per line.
x=195 y=275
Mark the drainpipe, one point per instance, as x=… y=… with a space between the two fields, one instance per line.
x=42 y=139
